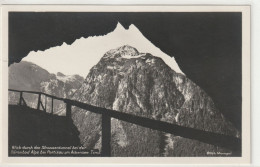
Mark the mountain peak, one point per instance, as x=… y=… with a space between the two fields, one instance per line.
x=125 y=51
x=128 y=50
x=126 y=47
x=60 y=74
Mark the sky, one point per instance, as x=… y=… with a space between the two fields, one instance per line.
x=84 y=53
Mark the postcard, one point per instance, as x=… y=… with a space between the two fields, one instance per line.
x=125 y=84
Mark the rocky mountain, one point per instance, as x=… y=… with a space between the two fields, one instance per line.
x=28 y=76
x=142 y=84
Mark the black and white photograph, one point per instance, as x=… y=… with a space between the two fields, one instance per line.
x=126 y=84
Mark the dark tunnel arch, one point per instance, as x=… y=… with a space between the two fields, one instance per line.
x=207 y=46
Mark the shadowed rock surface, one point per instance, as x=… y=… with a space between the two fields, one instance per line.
x=31 y=127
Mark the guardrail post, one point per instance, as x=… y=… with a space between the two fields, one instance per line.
x=20 y=100
x=68 y=110
x=45 y=104
x=52 y=105
x=106 y=135
x=68 y=117
x=39 y=101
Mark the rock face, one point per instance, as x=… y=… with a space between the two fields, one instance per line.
x=29 y=76
x=142 y=84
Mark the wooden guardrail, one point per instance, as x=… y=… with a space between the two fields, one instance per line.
x=229 y=142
